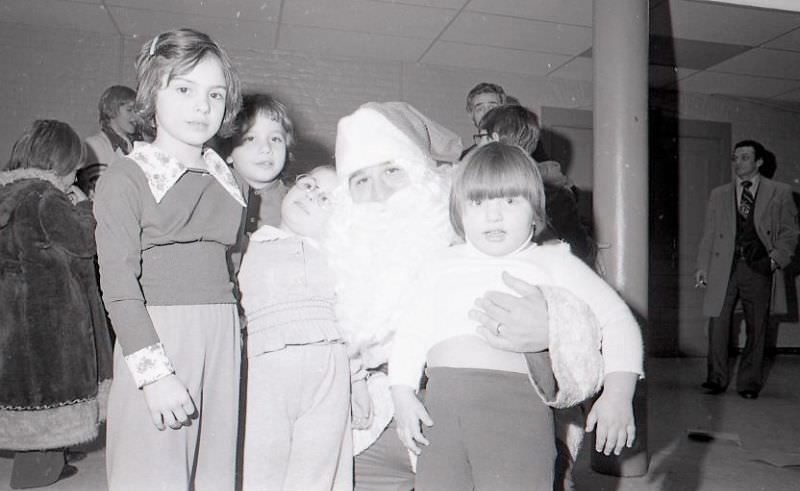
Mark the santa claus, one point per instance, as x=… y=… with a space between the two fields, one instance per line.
x=390 y=214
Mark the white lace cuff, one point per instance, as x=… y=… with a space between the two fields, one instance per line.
x=149 y=364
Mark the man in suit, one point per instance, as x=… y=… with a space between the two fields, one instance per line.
x=750 y=233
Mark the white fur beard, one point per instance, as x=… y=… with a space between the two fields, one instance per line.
x=375 y=250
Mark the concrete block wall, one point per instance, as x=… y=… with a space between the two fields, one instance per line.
x=56 y=74
x=61 y=73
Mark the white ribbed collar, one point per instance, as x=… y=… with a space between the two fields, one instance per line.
x=525 y=245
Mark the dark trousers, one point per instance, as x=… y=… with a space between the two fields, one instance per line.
x=491 y=432
x=385 y=465
x=754 y=290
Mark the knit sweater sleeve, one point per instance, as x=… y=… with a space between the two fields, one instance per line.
x=118 y=211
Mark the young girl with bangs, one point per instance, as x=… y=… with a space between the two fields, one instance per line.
x=493 y=424
x=166 y=215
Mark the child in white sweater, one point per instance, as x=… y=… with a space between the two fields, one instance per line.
x=490 y=419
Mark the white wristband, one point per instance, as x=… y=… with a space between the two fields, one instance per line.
x=149 y=364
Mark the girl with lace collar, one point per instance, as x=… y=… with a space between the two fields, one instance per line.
x=167 y=215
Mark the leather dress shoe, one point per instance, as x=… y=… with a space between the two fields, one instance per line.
x=748 y=394
x=74 y=456
x=712 y=388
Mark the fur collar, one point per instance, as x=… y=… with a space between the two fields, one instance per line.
x=9 y=196
x=12 y=176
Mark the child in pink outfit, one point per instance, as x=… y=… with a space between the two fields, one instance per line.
x=297 y=430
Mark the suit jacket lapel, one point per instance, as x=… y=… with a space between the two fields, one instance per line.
x=731 y=208
x=763 y=196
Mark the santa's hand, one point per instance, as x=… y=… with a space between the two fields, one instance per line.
x=510 y=322
x=408 y=414
x=361 y=405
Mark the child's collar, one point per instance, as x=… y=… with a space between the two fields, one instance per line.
x=525 y=245
x=269 y=233
x=162 y=170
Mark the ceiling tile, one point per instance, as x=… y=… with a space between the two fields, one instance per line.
x=720 y=23
x=687 y=53
x=81 y=16
x=241 y=34
x=667 y=76
x=511 y=32
x=790 y=41
x=763 y=62
x=793 y=95
x=442 y=4
x=350 y=44
x=368 y=16
x=578 y=68
x=267 y=10
x=737 y=85
x=489 y=58
x=576 y=12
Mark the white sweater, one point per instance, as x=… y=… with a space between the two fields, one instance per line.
x=449 y=284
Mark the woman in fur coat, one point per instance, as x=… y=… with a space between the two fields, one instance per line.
x=55 y=350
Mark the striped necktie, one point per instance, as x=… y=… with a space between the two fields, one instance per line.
x=747 y=201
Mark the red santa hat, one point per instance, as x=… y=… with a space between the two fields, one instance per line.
x=379 y=132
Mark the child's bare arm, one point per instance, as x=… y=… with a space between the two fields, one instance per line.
x=408 y=413
x=612 y=413
x=169 y=403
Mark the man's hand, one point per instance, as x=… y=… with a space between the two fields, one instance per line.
x=513 y=323
x=700 y=278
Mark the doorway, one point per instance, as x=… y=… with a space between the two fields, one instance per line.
x=688 y=158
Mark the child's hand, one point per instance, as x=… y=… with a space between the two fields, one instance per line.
x=408 y=413
x=361 y=405
x=612 y=414
x=76 y=195
x=169 y=403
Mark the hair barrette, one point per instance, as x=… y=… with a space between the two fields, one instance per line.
x=153 y=45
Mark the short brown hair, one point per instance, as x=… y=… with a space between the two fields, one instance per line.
x=174 y=53
x=515 y=125
x=254 y=105
x=497 y=170
x=112 y=99
x=48 y=145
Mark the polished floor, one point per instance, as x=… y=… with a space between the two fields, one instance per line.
x=756 y=444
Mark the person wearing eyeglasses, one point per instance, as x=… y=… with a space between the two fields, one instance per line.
x=518 y=125
x=480 y=100
x=297 y=429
